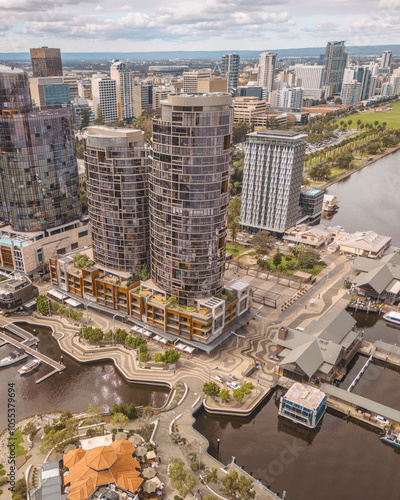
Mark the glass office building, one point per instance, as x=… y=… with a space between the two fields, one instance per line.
x=189 y=194
x=116 y=163
x=14 y=90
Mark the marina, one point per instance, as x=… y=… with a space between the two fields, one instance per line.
x=30 y=367
x=392 y=317
x=14 y=358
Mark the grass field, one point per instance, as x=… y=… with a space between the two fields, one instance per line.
x=235 y=251
x=392 y=118
x=16 y=439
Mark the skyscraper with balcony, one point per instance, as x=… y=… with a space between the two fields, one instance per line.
x=46 y=62
x=38 y=171
x=230 y=69
x=116 y=163
x=104 y=90
x=189 y=195
x=273 y=169
x=335 y=60
x=266 y=70
x=386 y=59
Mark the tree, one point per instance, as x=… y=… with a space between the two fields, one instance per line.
x=263 y=242
x=30 y=429
x=237 y=486
x=20 y=490
x=240 y=129
x=307 y=259
x=225 y=395
x=180 y=479
x=211 y=389
x=85 y=117
x=42 y=304
x=95 y=413
x=277 y=258
x=119 y=419
x=143 y=272
x=44 y=266
x=238 y=395
x=81 y=260
x=99 y=117
x=344 y=159
x=145 y=123
x=234 y=217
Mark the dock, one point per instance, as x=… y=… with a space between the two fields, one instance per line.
x=58 y=367
x=28 y=338
x=381 y=351
x=347 y=402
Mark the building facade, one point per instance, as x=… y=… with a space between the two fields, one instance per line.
x=142 y=98
x=335 y=60
x=124 y=84
x=117 y=185
x=189 y=195
x=351 y=93
x=49 y=91
x=230 y=68
x=104 y=91
x=246 y=109
x=273 y=169
x=46 y=62
x=14 y=90
x=266 y=70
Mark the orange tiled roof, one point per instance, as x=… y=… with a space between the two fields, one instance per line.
x=123 y=446
x=101 y=458
x=73 y=456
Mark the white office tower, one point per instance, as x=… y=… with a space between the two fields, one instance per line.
x=273 y=170
x=310 y=78
x=395 y=83
x=364 y=76
x=288 y=98
x=190 y=79
x=124 y=83
x=386 y=60
x=266 y=70
x=351 y=93
x=104 y=91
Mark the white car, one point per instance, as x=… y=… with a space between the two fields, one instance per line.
x=382 y=420
x=279 y=243
x=233 y=385
x=218 y=379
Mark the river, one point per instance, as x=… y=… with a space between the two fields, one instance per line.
x=72 y=389
x=370 y=199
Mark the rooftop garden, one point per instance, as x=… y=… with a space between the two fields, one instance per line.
x=81 y=260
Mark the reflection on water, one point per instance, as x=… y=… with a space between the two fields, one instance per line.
x=74 y=388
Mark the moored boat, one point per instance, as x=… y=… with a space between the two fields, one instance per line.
x=392 y=317
x=391 y=438
x=30 y=366
x=13 y=358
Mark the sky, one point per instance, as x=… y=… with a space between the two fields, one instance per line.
x=153 y=25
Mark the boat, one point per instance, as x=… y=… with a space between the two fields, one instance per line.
x=13 y=358
x=392 y=317
x=30 y=366
x=391 y=438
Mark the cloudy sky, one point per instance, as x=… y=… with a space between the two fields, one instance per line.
x=147 y=25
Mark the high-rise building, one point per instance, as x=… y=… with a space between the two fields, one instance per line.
x=46 y=62
x=124 y=82
x=230 y=69
x=364 y=76
x=190 y=79
x=273 y=169
x=116 y=162
x=142 y=97
x=351 y=93
x=38 y=171
x=50 y=91
x=209 y=85
x=189 y=195
x=309 y=77
x=266 y=70
x=386 y=59
x=290 y=98
x=104 y=91
x=335 y=60
x=246 y=109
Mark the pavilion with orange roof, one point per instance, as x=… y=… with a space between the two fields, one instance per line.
x=100 y=466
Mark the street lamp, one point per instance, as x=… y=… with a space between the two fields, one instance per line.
x=237 y=339
x=113 y=329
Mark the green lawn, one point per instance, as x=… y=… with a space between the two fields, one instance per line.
x=16 y=439
x=235 y=251
x=337 y=171
x=294 y=263
x=392 y=118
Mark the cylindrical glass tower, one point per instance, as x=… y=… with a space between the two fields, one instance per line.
x=116 y=163
x=14 y=90
x=189 y=194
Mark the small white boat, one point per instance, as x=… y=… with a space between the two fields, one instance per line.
x=392 y=317
x=13 y=358
x=30 y=366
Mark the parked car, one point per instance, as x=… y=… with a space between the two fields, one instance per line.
x=382 y=420
x=275 y=358
x=219 y=379
x=280 y=243
x=360 y=409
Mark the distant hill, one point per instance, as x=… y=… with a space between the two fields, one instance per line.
x=367 y=50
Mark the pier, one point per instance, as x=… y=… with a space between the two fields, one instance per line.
x=28 y=339
x=58 y=367
x=351 y=386
x=381 y=351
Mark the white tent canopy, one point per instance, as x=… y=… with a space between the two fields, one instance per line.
x=188 y=349
x=73 y=303
x=162 y=340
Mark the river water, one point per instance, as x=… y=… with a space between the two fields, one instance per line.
x=370 y=199
x=74 y=388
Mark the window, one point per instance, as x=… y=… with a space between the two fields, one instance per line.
x=61 y=251
x=74 y=246
x=82 y=234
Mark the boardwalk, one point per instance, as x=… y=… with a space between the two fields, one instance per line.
x=54 y=364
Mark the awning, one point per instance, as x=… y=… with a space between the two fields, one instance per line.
x=146 y=333
x=188 y=349
x=73 y=303
x=157 y=338
x=180 y=346
x=140 y=330
x=163 y=340
x=57 y=295
x=135 y=328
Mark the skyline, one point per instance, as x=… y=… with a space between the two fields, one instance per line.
x=88 y=26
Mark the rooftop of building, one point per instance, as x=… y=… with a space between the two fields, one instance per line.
x=12 y=285
x=305 y=396
x=101 y=131
x=278 y=134
x=11 y=69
